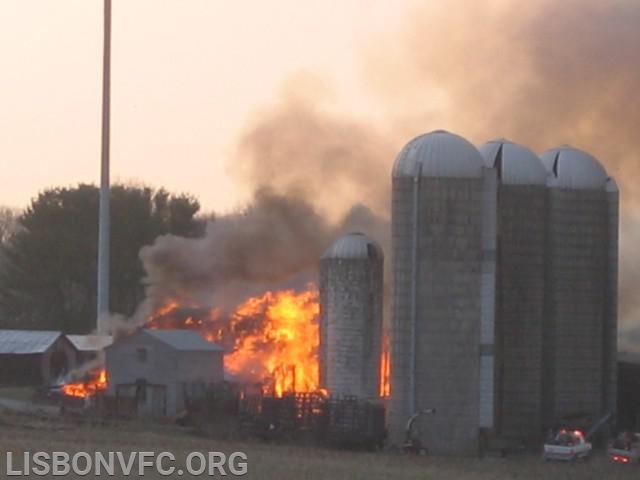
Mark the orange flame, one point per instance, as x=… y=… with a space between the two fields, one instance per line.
x=285 y=347
x=273 y=338
x=385 y=367
x=88 y=388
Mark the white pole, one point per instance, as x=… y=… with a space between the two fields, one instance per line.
x=104 y=221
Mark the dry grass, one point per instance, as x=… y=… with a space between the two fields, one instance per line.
x=20 y=433
x=17 y=393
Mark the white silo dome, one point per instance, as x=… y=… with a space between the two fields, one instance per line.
x=439 y=154
x=354 y=245
x=517 y=165
x=573 y=168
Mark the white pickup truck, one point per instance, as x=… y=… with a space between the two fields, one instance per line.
x=568 y=446
x=625 y=448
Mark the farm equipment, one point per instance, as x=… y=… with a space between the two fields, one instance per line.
x=352 y=423
x=412 y=444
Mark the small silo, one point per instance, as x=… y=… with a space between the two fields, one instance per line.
x=579 y=355
x=519 y=312
x=442 y=198
x=351 y=296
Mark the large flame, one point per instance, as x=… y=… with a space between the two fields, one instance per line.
x=286 y=345
x=272 y=338
x=385 y=367
x=96 y=382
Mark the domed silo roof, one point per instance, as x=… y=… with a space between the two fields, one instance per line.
x=354 y=245
x=573 y=168
x=516 y=165
x=440 y=154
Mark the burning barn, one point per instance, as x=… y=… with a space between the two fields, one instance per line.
x=159 y=371
x=351 y=296
x=34 y=357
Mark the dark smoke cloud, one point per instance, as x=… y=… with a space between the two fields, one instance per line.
x=273 y=238
x=276 y=241
x=540 y=73
x=331 y=161
x=315 y=175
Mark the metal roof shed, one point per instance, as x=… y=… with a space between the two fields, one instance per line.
x=32 y=357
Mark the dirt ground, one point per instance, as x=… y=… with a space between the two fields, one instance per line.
x=21 y=433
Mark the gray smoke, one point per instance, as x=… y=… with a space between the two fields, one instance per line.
x=331 y=161
x=276 y=242
x=540 y=73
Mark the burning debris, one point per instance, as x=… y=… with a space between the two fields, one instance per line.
x=93 y=383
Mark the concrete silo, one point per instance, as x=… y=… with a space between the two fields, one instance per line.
x=351 y=295
x=581 y=287
x=519 y=312
x=611 y=301
x=443 y=276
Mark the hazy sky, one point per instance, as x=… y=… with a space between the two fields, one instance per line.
x=187 y=74
x=219 y=97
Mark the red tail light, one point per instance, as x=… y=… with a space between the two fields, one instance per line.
x=619 y=459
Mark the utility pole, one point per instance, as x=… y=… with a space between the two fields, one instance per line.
x=105 y=190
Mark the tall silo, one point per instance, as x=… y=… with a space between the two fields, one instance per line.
x=439 y=194
x=579 y=360
x=351 y=296
x=611 y=306
x=519 y=312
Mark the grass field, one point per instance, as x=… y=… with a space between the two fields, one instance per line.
x=16 y=393
x=28 y=433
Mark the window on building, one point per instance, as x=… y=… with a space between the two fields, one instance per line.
x=142 y=354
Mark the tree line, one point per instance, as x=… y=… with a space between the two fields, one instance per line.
x=48 y=252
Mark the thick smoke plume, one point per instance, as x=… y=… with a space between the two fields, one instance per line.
x=276 y=241
x=331 y=161
x=539 y=73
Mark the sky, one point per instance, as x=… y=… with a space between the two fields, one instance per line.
x=219 y=98
x=186 y=77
